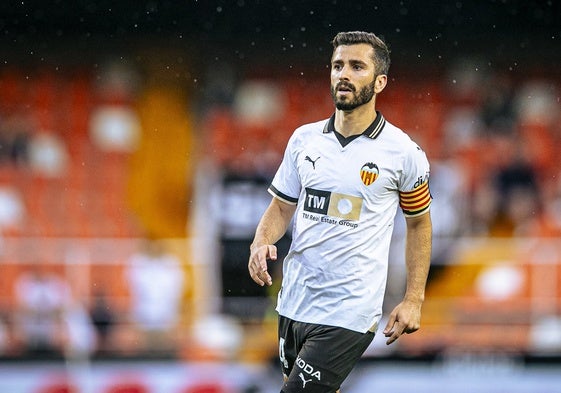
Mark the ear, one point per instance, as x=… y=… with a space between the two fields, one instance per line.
x=380 y=83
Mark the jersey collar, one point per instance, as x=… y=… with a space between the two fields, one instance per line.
x=372 y=131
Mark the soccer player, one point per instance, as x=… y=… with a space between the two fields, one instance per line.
x=342 y=179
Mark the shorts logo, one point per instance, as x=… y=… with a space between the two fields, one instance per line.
x=307 y=369
x=304 y=380
x=333 y=204
x=369 y=173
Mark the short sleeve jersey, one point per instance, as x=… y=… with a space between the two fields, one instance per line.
x=347 y=196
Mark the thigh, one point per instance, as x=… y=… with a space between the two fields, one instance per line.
x=318 y=358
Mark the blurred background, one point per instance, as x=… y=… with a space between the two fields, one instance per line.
x=137 y=140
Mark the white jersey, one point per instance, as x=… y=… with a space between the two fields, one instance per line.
x=347 y=196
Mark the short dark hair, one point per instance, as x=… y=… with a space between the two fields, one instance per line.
x=381 y=52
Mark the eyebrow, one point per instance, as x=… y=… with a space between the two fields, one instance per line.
x=352 y=62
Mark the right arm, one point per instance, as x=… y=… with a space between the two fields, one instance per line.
x=271 y=228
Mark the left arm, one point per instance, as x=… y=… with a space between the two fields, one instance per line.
x=406 y=316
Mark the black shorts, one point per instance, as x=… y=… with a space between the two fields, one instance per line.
x=318 y=358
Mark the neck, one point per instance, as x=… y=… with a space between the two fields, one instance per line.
x=354 y=122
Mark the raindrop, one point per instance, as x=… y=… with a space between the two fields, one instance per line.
x=218 y=9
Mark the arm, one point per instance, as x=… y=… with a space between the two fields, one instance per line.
x=406 y=316
x=271 y=228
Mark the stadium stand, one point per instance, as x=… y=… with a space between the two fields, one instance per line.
x=102 y=193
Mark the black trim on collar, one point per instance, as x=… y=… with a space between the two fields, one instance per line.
x=372 y=131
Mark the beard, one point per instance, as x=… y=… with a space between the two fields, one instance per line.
x=363 y=96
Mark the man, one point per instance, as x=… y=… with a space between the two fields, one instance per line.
x=342 y=180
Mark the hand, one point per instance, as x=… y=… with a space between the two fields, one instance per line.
x=258 y=263
x=405 y=318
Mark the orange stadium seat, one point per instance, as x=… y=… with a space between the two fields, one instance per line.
x=45 y=100
x=11 y=90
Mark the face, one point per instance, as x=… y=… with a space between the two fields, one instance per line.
x=353 y=77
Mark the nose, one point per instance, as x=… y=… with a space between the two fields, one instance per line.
x=343 y=74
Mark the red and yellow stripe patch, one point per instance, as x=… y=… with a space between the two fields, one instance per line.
x=368 y=177
x=416 y=201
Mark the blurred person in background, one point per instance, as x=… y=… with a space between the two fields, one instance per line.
x=156 y=282
x=41 y=298
x=342 y=180
x=16 y=130
x=103 y=319
x=48 y=154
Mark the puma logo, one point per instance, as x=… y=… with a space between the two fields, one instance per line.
x=304 y=380
x=312 y=161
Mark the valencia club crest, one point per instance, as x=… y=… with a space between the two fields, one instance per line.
x=369 y=173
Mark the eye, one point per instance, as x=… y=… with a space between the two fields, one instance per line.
x=336 y=67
